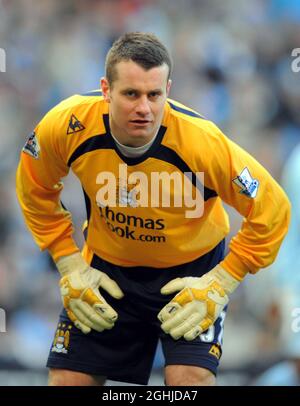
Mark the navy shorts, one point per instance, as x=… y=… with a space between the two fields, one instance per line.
x=126 y=352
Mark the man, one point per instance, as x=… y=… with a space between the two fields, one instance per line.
x=159 y=265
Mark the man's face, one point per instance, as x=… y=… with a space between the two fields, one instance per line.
x=137 y=98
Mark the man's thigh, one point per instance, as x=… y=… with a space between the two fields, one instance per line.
x=188 y=375
x=198 y=359
x=64 y=377
x=124 y=353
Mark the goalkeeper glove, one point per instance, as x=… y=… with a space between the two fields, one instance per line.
x=198 y=304
x=79 y=287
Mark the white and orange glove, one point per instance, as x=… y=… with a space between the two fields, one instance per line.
x=79 y=287
x=198 y=304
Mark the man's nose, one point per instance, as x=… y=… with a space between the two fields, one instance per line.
x=143 y=106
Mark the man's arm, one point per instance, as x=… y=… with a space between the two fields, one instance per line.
x=42 y=165
x=246 y=185
x=38 y=181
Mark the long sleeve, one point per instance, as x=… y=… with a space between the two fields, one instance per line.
x=261 y=201
x=38 y=181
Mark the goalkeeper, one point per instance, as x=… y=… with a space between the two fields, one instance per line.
x=148 y=270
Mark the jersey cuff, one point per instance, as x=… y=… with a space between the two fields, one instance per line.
x=61 y=248
x=234 y=266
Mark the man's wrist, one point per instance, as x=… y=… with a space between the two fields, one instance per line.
x=234 y=266
x=71 y=263
x=228 y=282
x=62 y=248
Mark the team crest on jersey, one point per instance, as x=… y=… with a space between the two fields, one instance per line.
x=61 y=341
x=246 y=183
x=126 y=193
x=74 y=125
x=31 y=146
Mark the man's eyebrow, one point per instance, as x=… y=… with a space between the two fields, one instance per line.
x=131 y=89
x=156 y=90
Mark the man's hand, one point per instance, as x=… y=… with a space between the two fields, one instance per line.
x=198 y=304
x=79 y=287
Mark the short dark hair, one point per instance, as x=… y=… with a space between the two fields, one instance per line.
x=142 y=48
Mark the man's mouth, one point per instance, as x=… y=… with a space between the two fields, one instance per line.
x=140 y=121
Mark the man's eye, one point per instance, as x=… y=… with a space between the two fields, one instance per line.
x=154 y=95
x=130 y=93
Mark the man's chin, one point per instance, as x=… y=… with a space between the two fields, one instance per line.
x=139 y=138
x=140 y=133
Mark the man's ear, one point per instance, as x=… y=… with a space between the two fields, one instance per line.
x=169 y=86
x=105 y=89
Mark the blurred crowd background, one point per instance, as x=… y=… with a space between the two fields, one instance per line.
x=232 y=64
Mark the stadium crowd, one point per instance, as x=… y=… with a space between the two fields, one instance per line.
x=232 y=64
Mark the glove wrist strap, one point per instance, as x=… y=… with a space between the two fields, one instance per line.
x=71 y=263
x=227 y=281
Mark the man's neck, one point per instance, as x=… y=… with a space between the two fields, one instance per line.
x=133 y=152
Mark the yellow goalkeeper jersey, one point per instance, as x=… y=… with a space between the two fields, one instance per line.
x=139 y=210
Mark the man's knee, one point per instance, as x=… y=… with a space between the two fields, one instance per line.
x=186 y=375
x=64 y=377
